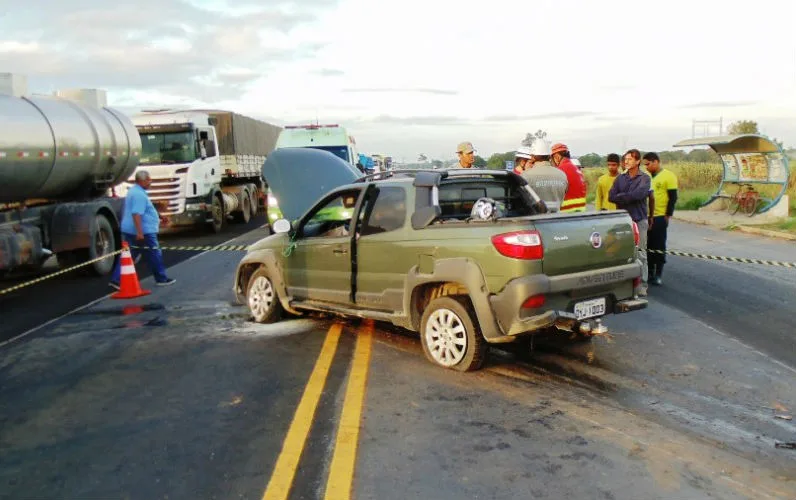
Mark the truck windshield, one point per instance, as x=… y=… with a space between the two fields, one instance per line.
x=168 y=147
x=339 y=151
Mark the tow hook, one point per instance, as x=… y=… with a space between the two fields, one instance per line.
x=593 y=327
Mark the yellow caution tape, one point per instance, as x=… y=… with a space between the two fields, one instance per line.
x=57 y=273
x=742 y=260
x=242 y=248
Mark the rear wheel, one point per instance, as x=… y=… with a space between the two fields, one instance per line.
x=217 y=211
x=750 y=204
x=449 y=337
x=245 y=213
x=103 y=243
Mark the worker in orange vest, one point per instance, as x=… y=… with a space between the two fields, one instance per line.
x=575 y=198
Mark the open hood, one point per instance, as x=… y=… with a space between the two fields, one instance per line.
x=298 y=177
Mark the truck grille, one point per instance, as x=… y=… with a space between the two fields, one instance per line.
x=166 y=193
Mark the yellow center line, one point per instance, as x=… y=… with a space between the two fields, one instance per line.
x=287 y=463
x=341 y=471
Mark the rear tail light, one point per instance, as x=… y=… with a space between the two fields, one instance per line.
x=636 y=235
x=533 y=302
x=519 y=245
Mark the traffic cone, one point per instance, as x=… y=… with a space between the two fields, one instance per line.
x=129 y=287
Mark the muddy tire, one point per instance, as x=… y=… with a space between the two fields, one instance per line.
x=449 y=337
x=217 y=212
x=262 y=299
x=245 y=214
x=103 y=242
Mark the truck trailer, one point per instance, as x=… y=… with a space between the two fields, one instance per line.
x=59 y=156
x=205 y=165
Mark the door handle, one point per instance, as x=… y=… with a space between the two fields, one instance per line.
x=340 y=250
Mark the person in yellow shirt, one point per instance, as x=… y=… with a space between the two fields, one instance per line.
x=664 y=185
x=604 y=184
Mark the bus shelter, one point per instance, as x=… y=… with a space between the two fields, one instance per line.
x=747 y=159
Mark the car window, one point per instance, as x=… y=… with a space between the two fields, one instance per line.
x=388 y=213
x=333 y=218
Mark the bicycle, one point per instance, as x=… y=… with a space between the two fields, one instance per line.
x=746 y=200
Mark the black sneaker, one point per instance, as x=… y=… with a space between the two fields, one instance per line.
x=168 y=282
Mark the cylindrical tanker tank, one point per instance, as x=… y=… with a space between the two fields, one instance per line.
x=58 y=149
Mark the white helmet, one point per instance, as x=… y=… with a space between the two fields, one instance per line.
x=541 y=147
x=523 y=152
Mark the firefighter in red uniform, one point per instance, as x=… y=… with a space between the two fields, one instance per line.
x=575 y=198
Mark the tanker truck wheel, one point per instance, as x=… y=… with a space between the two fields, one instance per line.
x=218 y=214
x=103 y=242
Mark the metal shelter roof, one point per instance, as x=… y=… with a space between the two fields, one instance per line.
x=727 y=144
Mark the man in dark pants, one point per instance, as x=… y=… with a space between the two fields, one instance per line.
x=664 y=185
x=140 y=225
x=631 y=192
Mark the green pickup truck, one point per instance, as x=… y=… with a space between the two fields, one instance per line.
x=405 y=247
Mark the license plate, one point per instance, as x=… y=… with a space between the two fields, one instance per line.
x=590 y=308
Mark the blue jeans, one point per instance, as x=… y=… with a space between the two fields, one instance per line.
x=154 y=257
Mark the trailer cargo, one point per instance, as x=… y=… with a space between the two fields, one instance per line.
x=59 y=156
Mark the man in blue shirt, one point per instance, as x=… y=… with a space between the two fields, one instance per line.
x=632 y=191
x=140 y=226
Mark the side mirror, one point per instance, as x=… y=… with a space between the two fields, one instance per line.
x=281 y=226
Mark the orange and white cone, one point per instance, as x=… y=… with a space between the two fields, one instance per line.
x=129 y=287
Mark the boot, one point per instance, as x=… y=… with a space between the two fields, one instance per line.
x=651 y=272
x=658 y=274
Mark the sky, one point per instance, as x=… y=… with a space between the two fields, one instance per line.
x=419 y=76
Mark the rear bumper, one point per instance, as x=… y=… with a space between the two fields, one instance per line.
x=561 y=294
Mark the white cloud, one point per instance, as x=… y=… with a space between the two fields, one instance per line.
x=421 y=75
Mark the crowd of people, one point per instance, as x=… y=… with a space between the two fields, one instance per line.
x=648 y=195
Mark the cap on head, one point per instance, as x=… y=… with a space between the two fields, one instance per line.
x=540 y=147
x=465 y=147
x=558 y=148
x=523 y=152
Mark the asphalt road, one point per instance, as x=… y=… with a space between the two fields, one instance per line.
x=188 y=398
x=752 y=303
x=32 y=306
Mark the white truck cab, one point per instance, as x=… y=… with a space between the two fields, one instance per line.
x=332 y=138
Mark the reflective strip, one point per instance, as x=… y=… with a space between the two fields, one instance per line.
x=129 y=269
x=573 y=202
x=575 y=209
x=63 y=153
x=43 y=154
x=23 y=154
x=2 y=154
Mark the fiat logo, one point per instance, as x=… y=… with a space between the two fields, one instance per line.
x=596 y=240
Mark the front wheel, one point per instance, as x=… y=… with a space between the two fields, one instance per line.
x=450 y=338
x=750 y=205
x=262 y=299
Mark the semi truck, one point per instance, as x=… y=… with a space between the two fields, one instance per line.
x=59 y=156
x=205 y=165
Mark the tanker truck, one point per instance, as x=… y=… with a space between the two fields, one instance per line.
x=205 y=165
x=59 y=155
